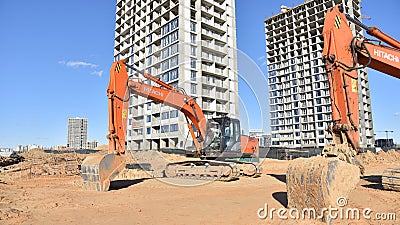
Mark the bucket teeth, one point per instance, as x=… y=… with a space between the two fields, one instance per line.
x=91 y=178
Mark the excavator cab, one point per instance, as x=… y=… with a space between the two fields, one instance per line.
x=225 y=139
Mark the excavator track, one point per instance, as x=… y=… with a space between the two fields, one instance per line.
x=212 y=170
x=249 y=169
x=203 y=169
x=391 y=179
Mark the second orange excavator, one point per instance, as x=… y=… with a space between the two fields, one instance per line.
x=215 y=140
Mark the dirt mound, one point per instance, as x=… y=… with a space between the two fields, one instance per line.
x=391 y=156
x=273 y=165
x=39 y=163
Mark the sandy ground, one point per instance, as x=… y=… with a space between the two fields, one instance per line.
x=59 y=199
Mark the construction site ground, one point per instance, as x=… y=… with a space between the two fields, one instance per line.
x=46 y=189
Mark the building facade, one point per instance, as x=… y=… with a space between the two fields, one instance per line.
x=190 y=44
x=300 y=104
x=264 y=140
x=92 y=144
x=77 y=133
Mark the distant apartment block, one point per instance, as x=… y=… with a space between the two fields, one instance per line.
x=77 y=133
x=299 y=99
x=190 y=44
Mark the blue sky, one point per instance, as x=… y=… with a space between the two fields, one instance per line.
x=55 y=58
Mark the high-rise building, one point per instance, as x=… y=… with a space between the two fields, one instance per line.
x=77 y=133
x=190 y=44
x=300 y=104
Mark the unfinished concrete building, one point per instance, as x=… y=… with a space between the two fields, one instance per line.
x=300 y=105
x=77 y=133
x=186 y=43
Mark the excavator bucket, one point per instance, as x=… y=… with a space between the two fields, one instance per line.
x=97 y=171
x=391 y=179
x=319 y=182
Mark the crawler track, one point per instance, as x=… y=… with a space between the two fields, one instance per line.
x=212 y=170
x=207 y=170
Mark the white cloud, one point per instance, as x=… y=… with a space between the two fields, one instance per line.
x=397 y=114
x=76 y=64
x=97 y=73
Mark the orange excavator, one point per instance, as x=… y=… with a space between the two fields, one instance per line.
x=218 y=141
x=343 y=55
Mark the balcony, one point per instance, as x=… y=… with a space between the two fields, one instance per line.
x=213 y=47
x=137 y=112
x=221 y=108
x=208 y=10
x=213 y=70
x=208 y=106
x=208 y=93
x=124 y=29
x=222 y=96
x=210 y=82
x=155 y=121
x=124 y=46
x=212 y=33
x=137 y=124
